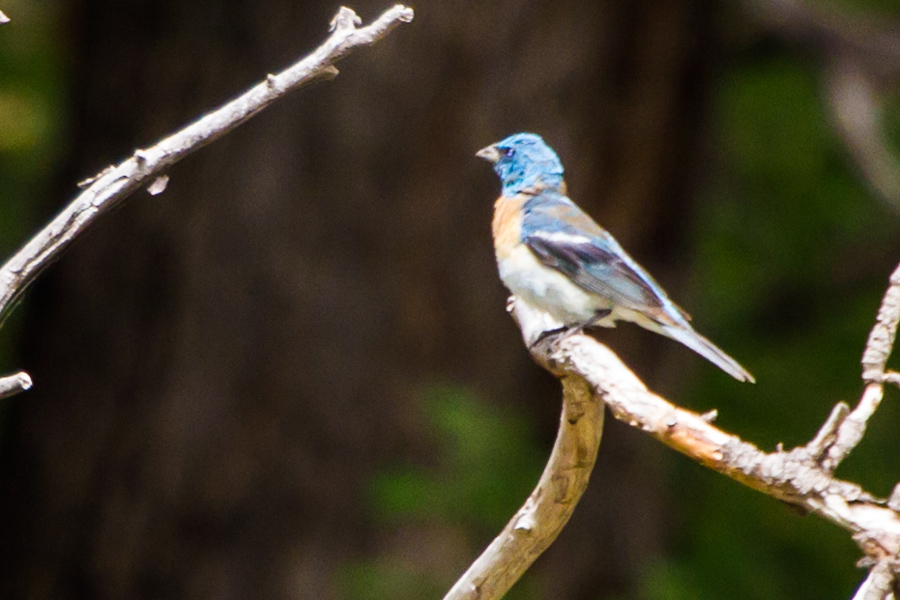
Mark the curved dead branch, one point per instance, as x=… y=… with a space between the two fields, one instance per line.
x=548 y=508
x=802 y=476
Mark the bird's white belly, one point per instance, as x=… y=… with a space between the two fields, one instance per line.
x=547 y=289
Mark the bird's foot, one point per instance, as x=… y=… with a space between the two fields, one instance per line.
x=567 y=330
x=551 y=333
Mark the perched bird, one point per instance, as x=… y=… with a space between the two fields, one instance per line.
x=554 y=257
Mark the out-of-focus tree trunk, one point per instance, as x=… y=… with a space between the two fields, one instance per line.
x=222 y=368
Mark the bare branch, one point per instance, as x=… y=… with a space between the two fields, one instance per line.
x=114 y=184
x=791 y=476
x=827 y=434
x=880 y=583
x=851 y=429
x=158 y=185
x=547 y=510
x=13 y=384
x=802 y=476
x=894 y=499
x=881 y=338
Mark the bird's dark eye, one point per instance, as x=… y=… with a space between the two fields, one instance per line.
x=509 y=151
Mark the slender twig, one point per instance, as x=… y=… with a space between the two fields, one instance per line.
x=879 y=584
x=114 y=184
x=851 y=429
x=547 y=510
x=881 y=338
x=13 y=384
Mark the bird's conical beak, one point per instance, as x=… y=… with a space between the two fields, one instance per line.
x=490 y=153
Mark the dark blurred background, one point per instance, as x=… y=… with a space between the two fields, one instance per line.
x=291 y=375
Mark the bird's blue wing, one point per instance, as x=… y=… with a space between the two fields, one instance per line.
x=565 y=238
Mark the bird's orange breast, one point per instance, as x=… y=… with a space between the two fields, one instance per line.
x=507 y=224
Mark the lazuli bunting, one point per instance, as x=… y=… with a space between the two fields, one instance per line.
x=554 y=257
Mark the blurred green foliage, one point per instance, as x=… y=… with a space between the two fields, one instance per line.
x=389 y=577
x=865 y=8
x=31 y=111
x=486 y=462
x=31 y=124
x=486 y=456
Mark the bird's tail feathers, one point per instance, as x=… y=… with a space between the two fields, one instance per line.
x=705 y=348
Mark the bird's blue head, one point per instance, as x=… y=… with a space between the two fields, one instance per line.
x=524 y=161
